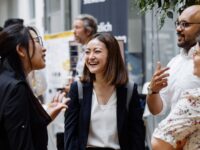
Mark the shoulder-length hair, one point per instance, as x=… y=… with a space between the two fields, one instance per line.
x=115 y=72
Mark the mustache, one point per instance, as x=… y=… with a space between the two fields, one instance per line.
x=179 y=34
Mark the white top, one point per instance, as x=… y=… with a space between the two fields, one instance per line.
x=103 y=123
x=81 y=61
x=181 y=78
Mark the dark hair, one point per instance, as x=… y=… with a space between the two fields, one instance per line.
x=115 y=72
x=13 y=21
x=11 y=37
x=90 y=23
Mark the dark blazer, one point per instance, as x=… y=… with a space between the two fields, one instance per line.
x=23 y=122
x=131 y=130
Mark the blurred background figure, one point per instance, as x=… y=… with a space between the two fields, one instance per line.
x=84 y=27
x=12 y=21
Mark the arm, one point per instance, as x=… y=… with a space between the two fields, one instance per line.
x=158 y=82
x=137 y=128
x=17 y=119
x=154 y=103
x=71 y=120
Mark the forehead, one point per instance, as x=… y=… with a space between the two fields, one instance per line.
x=33 y=34
x=96 y=43
x=78 y=22
x=191 y=14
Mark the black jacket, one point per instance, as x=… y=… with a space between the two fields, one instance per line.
x=23 y=121
x=131 y=130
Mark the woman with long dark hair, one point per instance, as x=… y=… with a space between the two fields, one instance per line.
x=23 y=121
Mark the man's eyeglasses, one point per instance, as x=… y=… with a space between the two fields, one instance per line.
x=184 y=24
x=38 y=39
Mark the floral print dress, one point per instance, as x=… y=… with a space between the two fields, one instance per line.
x=182 y=122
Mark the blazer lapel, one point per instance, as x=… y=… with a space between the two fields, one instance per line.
x=121 y=108
x=86 y=110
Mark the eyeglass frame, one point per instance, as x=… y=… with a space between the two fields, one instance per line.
x=39 y=40
x=184 y=24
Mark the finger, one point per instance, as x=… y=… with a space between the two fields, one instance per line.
x=66 y=100
x=56 y=97
x=161 y=77
x=60 y=96
x=158 y=66
x=161 y=71
x=162 y=82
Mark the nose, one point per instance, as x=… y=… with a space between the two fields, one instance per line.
x=179 y=28
x=44 y=49
x=91 y=56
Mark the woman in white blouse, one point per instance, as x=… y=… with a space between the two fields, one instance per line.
x=101 y=120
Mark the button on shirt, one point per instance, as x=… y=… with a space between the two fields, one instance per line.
x=181 y=78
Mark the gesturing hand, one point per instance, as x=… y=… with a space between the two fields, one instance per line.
x=58 y=103
x=159 y=79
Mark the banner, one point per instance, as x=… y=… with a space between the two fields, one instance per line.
x=112 y=16
x=57 y=59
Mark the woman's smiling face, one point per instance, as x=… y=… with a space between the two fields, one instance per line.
x=96 y=56
x=37 y=56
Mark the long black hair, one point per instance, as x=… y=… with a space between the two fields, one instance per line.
x=11 y=37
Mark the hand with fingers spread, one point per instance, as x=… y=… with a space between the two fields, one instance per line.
x=58 y=103
x=159 y=79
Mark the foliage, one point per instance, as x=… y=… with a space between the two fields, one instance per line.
x=165 y=8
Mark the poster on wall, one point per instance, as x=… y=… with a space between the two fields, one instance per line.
x=57 y=60
x=112 y=16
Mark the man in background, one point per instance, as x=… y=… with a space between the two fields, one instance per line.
x=84 y=27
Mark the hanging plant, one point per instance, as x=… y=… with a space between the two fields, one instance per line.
x=165 y=8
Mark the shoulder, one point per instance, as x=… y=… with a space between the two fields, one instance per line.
x=9 y=83
x=174 y=60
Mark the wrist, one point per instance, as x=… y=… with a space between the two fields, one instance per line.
x=151 y=91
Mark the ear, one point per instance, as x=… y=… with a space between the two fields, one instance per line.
x=88 y=32
x=21 y=51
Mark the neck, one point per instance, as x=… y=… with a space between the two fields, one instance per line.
x=86 y=41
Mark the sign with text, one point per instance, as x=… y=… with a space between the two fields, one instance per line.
x=112 y=16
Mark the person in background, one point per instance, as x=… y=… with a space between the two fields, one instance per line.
x=12 y=21
x=23 y=120
x=169 y=82
x=84 y=27
x=102 y=120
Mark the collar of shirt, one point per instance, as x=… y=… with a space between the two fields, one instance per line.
x=189 y=54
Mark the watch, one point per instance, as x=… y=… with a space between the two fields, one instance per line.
x=150 y=92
